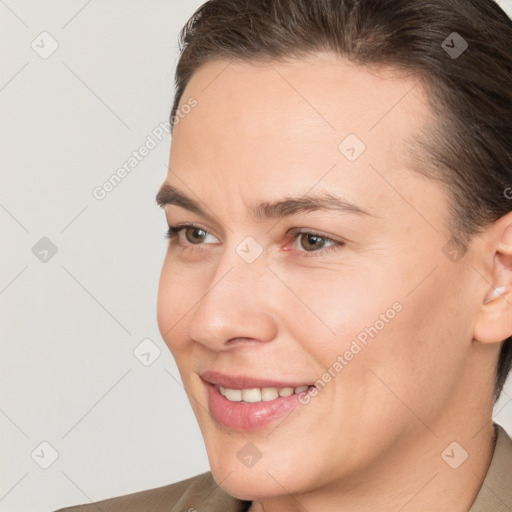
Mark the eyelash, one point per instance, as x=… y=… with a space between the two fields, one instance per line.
x=174 y=230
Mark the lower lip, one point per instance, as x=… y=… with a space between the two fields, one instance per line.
x=248 y=416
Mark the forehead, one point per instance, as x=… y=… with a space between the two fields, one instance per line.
x=323 y=89
x=290 y=124
x=315 y=100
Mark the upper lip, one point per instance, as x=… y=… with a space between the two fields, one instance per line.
x=245 y=382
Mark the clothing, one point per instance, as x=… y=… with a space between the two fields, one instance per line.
x=201 y=494
x=495 y=495
x=197 y=494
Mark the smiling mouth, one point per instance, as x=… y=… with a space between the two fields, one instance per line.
x=252 y=408
x=248 y=390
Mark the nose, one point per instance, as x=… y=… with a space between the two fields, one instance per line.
x=236 y=306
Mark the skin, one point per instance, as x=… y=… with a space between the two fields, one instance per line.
x=372 y=438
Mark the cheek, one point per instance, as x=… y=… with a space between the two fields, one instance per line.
x=343 y=304
x=341 y=319
x=416 y=359
x=392 y=341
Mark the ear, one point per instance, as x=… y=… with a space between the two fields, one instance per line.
x=494 y=319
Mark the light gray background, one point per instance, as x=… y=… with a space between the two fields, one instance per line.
x=69 y=325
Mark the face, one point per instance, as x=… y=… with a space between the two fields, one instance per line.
x=356 y=298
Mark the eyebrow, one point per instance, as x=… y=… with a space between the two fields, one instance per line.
x=286 y=207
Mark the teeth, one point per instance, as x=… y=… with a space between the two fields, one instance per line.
x=234 y=395
x=269 y=394
x=259 y=394
x=286 y=392
x=251 y=395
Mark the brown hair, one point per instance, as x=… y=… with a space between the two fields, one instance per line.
x=469 y=148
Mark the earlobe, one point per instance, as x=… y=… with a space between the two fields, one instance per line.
x=494 y=320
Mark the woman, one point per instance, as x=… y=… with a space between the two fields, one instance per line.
x=337 y=288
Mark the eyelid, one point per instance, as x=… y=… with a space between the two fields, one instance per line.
x=291 y=234
x=298 y=231
x=175 y=229
x=337 y=244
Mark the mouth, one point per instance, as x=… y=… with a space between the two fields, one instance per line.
x=246 y=403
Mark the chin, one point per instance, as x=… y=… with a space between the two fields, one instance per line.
x=256 y=483
x=249 y=486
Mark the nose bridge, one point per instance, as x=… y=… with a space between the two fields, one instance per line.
x=236 y=302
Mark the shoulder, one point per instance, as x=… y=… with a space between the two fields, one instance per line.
x=200 y=492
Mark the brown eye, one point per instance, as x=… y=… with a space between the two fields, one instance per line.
x=186 y=234
x=311 y=242
x=196 y=234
